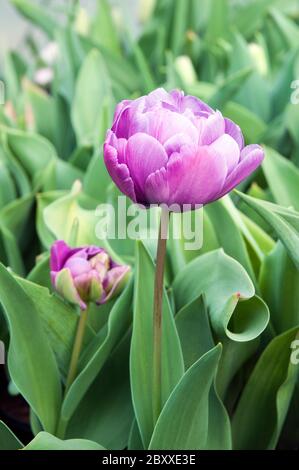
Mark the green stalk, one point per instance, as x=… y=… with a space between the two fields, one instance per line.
x=76 y=349
x=157 y=314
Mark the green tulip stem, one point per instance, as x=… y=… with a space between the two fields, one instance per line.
x=76 y=349
x=157 y=314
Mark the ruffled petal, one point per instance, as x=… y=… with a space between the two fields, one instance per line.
x=251 y=158
x=227 y=148
x=196 y=178
x=119 y=172
x=212 y=128
x=144 y=155
x=163 y=124
x=234 y=131
x=60 y=252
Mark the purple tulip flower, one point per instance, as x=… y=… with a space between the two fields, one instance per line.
x=174 y=149
x=86 y=274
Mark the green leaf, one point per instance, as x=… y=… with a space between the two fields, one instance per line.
x=103 y=30
x=284 y=221
x=248 y=18
x=218 y=20
x=59 y=321
x=45 y=441
x=8 y=441
x=37 y=15
x=235 y=312
x=283 y=179
x=193 y=417
x=194 y=330
x=230 y=86
x=105 y=413
x=142 y=347
x=97 y=353
x=31 y=361
x=279 y=282
x=93 y=87
x=229 y=235
x=264 y=403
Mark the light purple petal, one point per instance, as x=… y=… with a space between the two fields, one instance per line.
x=195 y=178
x=212 y=128
x=234 y=131
x=157 y=187
x=228 y=148
x=163 y=124
x=175 y=143
x=251 y=158
x=144 y=155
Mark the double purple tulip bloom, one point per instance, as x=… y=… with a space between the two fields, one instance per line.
x=174 y=149
x=86 y=274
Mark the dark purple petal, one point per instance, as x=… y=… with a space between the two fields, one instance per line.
x=119 y=172
x=60 y=252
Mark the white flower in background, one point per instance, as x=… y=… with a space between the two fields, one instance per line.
x=145 y=10
x=43 y=76
x=49 y=53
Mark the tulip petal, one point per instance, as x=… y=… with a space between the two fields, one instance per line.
x=163 y=124
x=234 y=131
x=60 y=252
x=251 y=158
x=228 y=148
x=144 y=155
x=119 y=172
x=65 y=286
x=195 y=178
x=213 y=128
x=157 y=188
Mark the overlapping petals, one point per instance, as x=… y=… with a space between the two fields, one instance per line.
x=174 y=149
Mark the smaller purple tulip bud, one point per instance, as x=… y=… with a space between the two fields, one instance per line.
x=85 y=274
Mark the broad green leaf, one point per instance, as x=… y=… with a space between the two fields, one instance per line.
x=32 y=151
x=7 y=186
x=8 y=441
x=218 y=20
x=281 y=89
x=284 y=221
x=141 y=360
x=279 y=282
x=262 y=409
x=94 y=358
x=103 y=29
x=37 y=15
x=31 y=361
x=250 y=15
x=194 y=331
x=283 y=179
x=46 y=441
x=229 y=235
x=59 y=321
x=179 y=25
x=230 y=86
x=105 y=413
x=93 y=86
x=235 y=312
x=193 y=417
